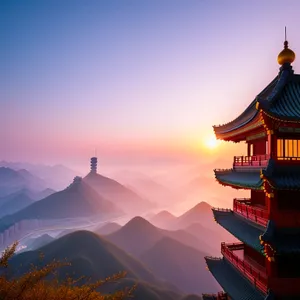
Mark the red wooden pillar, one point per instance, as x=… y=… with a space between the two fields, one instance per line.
x=271 y=267
x=272 y=144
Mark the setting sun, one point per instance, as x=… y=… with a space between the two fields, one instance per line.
x=211 y=142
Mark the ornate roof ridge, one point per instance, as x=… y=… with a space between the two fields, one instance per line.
x=266 y=100
x=250 y=110
x=282 y=79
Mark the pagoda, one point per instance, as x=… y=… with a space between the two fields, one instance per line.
x=265 y=264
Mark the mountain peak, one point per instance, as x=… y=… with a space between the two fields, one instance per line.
x=164 y=214
x=202 y=206
x=163 y=219
x=139 y=223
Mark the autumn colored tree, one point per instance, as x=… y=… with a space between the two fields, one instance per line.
x=36 y=285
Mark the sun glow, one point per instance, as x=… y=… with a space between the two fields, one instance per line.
x=211 y=142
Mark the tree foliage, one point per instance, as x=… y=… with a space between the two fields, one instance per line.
x=36 y=285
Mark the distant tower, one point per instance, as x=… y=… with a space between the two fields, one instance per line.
x=94 y=162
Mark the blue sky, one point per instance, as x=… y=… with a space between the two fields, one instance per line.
x=131 y=78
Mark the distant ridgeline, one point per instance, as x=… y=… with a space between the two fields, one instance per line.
x=77 y=201
x=94 y=196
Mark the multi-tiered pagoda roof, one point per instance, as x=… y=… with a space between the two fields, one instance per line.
x=264 y=265
x=279 y=100
x=279 y=176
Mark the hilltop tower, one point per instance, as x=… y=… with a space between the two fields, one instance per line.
x=265 y=265
x=94 y=162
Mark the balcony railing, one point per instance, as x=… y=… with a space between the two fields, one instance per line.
x=251 y=161
x=289 y=158
x=255 y=214
x=258 y=278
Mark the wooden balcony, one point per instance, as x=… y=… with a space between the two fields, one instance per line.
x=255 y=214
x=252 y=273
x=259 y=161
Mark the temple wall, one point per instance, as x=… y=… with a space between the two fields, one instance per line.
x=285 y=286
x=259 y=147
x=254 y=255
x=285 y=209
x=258 y=198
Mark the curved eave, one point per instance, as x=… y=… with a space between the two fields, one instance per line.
x=248 y=118
x=232 y=281
x=240 y=132
x=283 y=241
x=239 y=180
x=244 y=230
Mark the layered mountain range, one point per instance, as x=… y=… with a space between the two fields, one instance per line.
x=95 y=257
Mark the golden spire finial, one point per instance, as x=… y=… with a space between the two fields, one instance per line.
x=286 y=55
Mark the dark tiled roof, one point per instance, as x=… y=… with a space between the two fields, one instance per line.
x=284 y=102
x=282 y=177
x=281 y=99
x=246 y=117
x=239 y=179
x=286 y=177
x=283 y=240
x=241 y=228
x=232 y=281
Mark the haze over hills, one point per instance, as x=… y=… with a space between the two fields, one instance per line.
x=165 y=253
x=38 y=242
x=12 y=181
x=78 y=200
x=95 y=258
x=107 y=228
x=199 y=222
x=200 y=213
x=138 y=235
x=56 y=177
x=20 y=199
x=123 y=197
x=14 y=202
x=147 y=187
x=179 y=264
x=168 y=248
x=163 y=219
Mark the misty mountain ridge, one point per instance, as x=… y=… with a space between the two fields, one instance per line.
x=20 y=199
x=199 y=222
x=107 y=228
x=12 y=181
x=138 y=235
x=56 y=177
x=77 y=200
x=95 y=258
x=200 y=213
x=163 y=219
x=179 y=264
x=109 y=188
x=147 y=187
x=38 y=242
x=14 y=203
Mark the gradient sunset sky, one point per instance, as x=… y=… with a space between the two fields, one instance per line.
x=141 y=80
